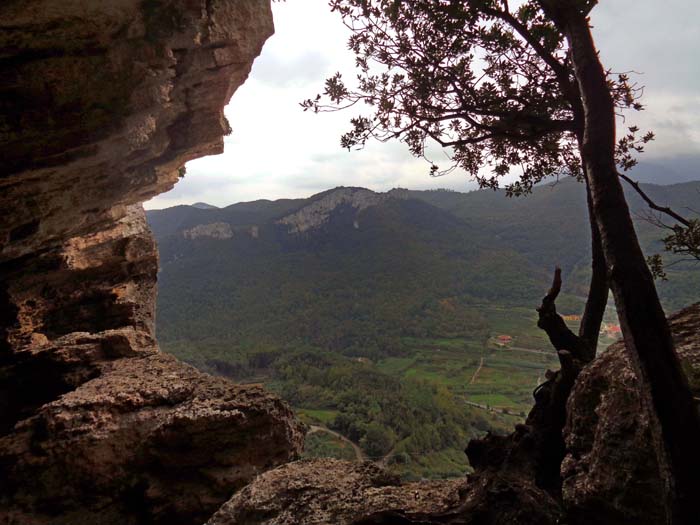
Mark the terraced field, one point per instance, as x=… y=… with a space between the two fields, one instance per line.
x=498 y=377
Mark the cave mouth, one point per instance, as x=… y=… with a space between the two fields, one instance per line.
x=29 y=383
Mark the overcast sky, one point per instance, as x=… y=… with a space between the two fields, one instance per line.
x=276 y=150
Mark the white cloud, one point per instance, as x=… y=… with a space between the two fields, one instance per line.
x=657 y=43
x=276 y=150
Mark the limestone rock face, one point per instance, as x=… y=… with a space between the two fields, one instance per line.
x=314 y=215
x=610 y=471
x=101 y=103
x=215 y=230
x=325 y=491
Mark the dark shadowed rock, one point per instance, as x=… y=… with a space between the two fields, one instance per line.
x=148 y=440
x=610 y=471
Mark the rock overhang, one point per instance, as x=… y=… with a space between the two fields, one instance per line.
x=102 y=103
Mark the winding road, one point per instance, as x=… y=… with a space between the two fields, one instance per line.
x=503 y=411
x=359 y=455
x=519 y=349
x=476 y=373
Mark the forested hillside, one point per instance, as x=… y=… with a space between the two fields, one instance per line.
x=550 y=227
x=410 y=269
x=369 y=311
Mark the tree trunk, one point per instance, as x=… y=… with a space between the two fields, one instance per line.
x=598 y=288
x=644 y=326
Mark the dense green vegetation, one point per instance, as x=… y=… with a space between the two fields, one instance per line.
x=411 y=270
x=387 y=334
x=550 y=226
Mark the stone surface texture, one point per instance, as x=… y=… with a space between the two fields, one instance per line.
x=610 y=471
x=101 y=104
x=150 y=440
x=331 y=491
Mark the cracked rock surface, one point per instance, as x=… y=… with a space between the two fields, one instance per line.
x=325 y=491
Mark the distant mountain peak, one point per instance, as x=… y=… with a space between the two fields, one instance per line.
x=319 y=210
x=204 y=206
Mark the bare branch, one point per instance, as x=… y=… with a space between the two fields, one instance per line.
x=556 y=286
x=663 y=209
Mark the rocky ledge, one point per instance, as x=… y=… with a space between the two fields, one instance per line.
x=325 y=491
x=150 y=440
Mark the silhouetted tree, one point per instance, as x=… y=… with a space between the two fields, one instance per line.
x=522 y=91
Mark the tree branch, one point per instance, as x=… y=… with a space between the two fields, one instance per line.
x=556 y=66
x=663 y=209
x=563 y=339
